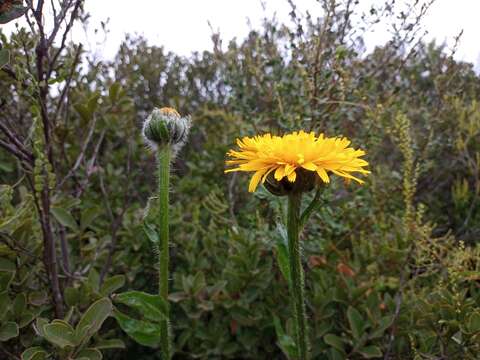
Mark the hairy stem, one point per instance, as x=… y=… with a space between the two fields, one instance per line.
x=297 y=276
x=164 y=157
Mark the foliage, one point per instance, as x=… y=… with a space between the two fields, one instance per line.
x=391 y=267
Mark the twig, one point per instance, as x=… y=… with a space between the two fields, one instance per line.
x=73 y=16
x=67 y=84
x=14 y=139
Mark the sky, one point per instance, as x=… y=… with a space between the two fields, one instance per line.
x=182 y=26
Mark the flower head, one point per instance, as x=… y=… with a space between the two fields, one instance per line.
x=296 y=161
x=164 y=127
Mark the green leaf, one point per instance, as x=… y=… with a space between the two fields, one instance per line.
x=4 y=57
x=72 y=296
x=27 y=317
x=384 y=324
x=285 y=341
x=60 y=333
x=38 y=298
x=199 y=283
x=335 y=354
x=282 y=252
x=8 y=330
x=6 y=278
x=93 y=102
x=474 y=322
x=150 y=232
x=7 y=265
x=334 y=341
x=110 y=344
x=312 y=207
x=14 y=12
x=5 y=166
x=87 y=217
x=90 y=354
x=152 y=307
x=113 y=91
x=39 y=326
x=112 y=284
x=83 y=111
x=143 y=332
x=68 y=316
x=34 y=353
x=371 y=352
x=4 y=304
x=93 y=319
x=94 y=279
x=64 y=217
x=19 y=305
x=356 y=322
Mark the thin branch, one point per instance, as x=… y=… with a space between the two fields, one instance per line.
x=20 y=156
x=65 y=90
x=15 y=141
x=73 y=16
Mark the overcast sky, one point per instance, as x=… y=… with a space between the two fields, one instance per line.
x=182 y=25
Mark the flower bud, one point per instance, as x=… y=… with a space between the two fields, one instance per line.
x=305 y=182
x=165 y=127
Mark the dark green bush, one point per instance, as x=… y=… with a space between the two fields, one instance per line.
x=392 y=267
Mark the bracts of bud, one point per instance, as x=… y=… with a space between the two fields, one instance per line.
x=306 y=181
x=165 y=127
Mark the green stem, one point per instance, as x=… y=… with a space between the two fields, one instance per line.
x=297 y=276
x=164 y=157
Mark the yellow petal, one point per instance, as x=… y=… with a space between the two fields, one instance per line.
x=348 y=176
x=292 y=176
x=279 y=173
x=288 y=169
x=255 y=180
x=231 y=170
x=309 y=166
x=264 y=177
x=323 y=175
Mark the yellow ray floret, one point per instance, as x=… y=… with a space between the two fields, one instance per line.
x=284 y=155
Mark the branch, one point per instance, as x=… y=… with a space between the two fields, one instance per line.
x=15 y=141
x=39 y=10
x=16 y=153
x=57 y=20
x=67 y=84
x=73 y=16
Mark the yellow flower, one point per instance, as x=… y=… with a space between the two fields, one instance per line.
x=295 y=153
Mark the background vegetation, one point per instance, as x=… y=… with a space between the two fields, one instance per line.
x=392 y=267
